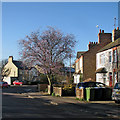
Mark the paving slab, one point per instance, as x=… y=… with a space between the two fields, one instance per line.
x=63 y=98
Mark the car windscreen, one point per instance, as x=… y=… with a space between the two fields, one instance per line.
x=5 y=83
x=89 y=84
x=16 y=81
x=100 y=85
x=79 y=85
x=117 y=86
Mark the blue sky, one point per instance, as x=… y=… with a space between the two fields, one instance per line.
x=21 y=18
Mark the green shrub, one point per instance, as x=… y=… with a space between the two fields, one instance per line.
x=81 y=99
x=46 y=90
x=69 y=89
x=57 y=95
x=77 y=98
x=68 y=86
x=53 y=94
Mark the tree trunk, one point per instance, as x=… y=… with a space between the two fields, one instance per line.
x=50 y=83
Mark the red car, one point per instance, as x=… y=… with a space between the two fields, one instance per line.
x=4 y=84
x=16 y=82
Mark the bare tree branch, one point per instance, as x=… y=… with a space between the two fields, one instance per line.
x=47 y=49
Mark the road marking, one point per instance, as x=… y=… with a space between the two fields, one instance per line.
x=30 y=97
x=54 y=103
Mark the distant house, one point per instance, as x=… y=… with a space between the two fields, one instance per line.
x=67 y=72
x=108 y=61
x=78 y=67
x=86 y=61
x=15 y=70
x=33 y=74
x=40 y=69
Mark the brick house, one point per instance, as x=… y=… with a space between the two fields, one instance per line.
x=78 y=67
x=108 y=61
x=87 y=60
x=0 y=73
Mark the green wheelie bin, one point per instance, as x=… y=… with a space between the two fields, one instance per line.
x=90 y=93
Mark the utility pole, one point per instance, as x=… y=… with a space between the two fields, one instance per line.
x=70 y=65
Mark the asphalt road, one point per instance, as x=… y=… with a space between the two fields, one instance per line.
x=26 y=102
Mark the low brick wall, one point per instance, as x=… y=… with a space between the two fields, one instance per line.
x=42 y=87
x=57 y=91
x=79 y=93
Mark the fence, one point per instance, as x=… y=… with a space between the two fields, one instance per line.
x=42 y=87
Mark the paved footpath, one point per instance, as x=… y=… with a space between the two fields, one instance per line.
x=65 y=99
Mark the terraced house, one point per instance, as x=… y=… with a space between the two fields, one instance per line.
x=108 y=61
x=85 y=64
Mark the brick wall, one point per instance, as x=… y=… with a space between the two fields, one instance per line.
x=57 y=91
x=118 y=63
x=89 y=58
x=116 y=34
x=79 y=93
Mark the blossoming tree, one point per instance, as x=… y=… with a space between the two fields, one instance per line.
x=47 y=49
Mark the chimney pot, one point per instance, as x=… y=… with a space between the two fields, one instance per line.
x=102 y=31
x=117 y=28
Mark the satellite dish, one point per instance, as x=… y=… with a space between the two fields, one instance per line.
x=97 y=26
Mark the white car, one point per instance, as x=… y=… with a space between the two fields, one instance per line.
x=116 y=93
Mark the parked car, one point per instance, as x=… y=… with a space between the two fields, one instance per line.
x=116 y=93
x=90 y=84
x=4 y=84
x=17 y=82
x=96 y=90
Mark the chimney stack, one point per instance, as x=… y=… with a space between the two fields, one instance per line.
x=104 y=37
x=115 y=34
x=91 y=44
x=10 y=59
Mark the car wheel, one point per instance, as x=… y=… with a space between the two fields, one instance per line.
x=118 y=102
